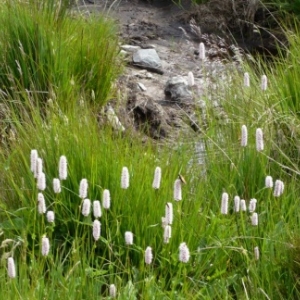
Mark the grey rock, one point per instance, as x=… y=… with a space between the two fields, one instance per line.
x=177 y=89
x=148 y=59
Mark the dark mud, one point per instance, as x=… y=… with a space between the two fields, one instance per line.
x=253 y=28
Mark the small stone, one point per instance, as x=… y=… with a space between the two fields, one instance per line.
x=130 y=48
x=142 y=87
x=177 y=88
x=149 y=75
x=123 y=53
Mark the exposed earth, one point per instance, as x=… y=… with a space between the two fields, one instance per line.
x=146 y=99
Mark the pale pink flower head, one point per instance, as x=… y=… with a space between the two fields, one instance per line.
x=264 y=82
x=148 y=256
x=237 y=203
x=63 y=168
x=254 y=219
x=169 y=213
x=106 y=199
x=11 y=268
x=97 y=209
x=50 y=216
x=125 y=178
x=244 y=138
x=157 y=178
x=184 y=253
x=33 y=161
x=201 y=51
x=83 y=187
x=41 y=204
x=96 y=229
x=191 y=80
x=41 y=181
x=252 y=205
x=128 y=238
x=269 y=182
x=278 y=188
x=112 y=291
x=86 y=207
x=259 y=140
x=246 y=79
x=45 y=246
x=177 y=190
x=224 y=204
x=243 y=205
x=56 y=186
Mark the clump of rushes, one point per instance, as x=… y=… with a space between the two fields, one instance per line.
x=184 y=253
x=244 y=138
x=83 y=187
x=259 y=140
x=34 y=36
x=106 y=199
x=63 y=168
x=125 y=178
x=157 y=178
x=128 y=238
x=96 y=229
x=148 y=256
x=11 y=268
x=177 y=190
x=224 y=204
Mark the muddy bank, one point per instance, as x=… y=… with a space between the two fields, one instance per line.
x=174 y=34
x=245 y=23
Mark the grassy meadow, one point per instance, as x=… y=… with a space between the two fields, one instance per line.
x=229 y=230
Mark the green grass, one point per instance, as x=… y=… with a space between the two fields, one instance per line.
x=222 y=263
x=51 y=53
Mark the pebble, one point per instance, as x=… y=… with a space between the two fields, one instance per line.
x=142 y=86
x=130 y=48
